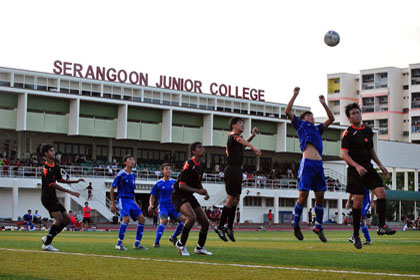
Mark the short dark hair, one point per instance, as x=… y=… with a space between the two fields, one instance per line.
x=162 y=167
x=303 y=115
x=351 y=107
x=29 y=210
x=234 y=121
x=45 y=149
x=127 y=157
x=86 y=202
x=194 y=146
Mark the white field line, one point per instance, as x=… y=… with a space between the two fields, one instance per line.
x=221 y=264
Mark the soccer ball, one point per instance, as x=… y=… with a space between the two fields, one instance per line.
x=332 y=38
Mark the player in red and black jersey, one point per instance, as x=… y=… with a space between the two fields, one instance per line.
x=357 y=151
x=51 y=173
x=233 y=175
x=188 y=183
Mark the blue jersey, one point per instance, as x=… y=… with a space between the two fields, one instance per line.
x=126 y=183
x=163 y=190
x=27 y=217
x=308 y=133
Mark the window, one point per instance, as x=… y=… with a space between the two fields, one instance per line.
x=252 y=201
x=287 y=202
x=405 y=110
x=269 y=202
x=383 y=123
x=405 y=87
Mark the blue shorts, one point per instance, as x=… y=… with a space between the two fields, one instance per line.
x=366 y=203
x=128 y=207
x=311 y=176
x=168 y=210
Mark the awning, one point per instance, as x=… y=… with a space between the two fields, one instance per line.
x=403 y=195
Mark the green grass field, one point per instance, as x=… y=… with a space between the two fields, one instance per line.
x=255 y=255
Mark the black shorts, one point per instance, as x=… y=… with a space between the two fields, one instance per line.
x=233 y=180
x=52 y=205
x=179 y=198
x=86 y=220
x=356 y=184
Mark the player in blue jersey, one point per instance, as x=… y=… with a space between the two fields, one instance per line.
x=28 y=220
x=311 y=172
x=367 y=204
x=125 y=181
x=162 y=190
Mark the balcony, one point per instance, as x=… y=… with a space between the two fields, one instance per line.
x=381 y=108
x=415 y=81
x=383 y=131
x=368 y=86
x=368 y=109
x=415 y=129
x=381 y=85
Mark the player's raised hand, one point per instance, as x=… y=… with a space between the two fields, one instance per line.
x=257 y=152
x=255 y=131
x=80 y=180
x=322 y=99
x=296 y=91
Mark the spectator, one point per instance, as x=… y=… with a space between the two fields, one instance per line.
x=86 y=215
x=89 y=189
x=270 y=218
x=74 y=224
x=37 y=217
x=408 y=225
x=27 y=218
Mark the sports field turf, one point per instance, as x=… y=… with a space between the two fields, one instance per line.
x=255 y=255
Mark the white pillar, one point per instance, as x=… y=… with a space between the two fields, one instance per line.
x=258 y=159
x=399 y=209
x=394 y=179
x=405 y=180
x=74 y=113
x=122 y=121
x=15 y=197
x=276 y=207
x=416 y=189
x=20 y=149
x=340 y=211
x=110 y=150
x=67 y=202
x=208 y=130
x=166 y=126
x=21 y=112
x=281 y=137
x=247 y=128
x=241 y=208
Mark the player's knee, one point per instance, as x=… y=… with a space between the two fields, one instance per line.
x=126 y=219
x=191 y=219
x=205 y=224
x=164 y=222
x=141 y=219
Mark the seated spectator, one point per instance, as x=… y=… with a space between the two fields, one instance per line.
x=74 y=224
x=37 y=217
x=27 y=218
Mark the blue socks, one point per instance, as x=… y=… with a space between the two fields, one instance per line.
x=139 y=234
x=159 y=232
x=298 y=213
x=365 y=231
x=121 y=234
x=319 y=215
x=178 y=229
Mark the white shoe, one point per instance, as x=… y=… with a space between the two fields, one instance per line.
x=44 y=239
x=182 y=250
x=202 y=251
x=120 y=247
x=49 y=248
x=351 y=239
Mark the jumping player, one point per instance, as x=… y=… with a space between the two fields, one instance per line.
x=50 y=175
x=367 y=204
x=162 y=190
x=188 y=183
x=357 y=151
x=311 y=172
x=233 y=175
x=125 y=181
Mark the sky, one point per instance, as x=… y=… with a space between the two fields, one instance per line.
x=268 y=45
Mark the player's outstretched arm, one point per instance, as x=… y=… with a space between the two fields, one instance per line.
x=330 y=115
x=60 y=188
x=254 y=133
x=291 y=102
x=70 y=181
x=247 y=144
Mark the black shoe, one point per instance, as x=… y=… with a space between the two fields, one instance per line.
x=298 y=233
x=156 y=245
x=357 y=243
x=385 y=230
x=221 y=233
x=320 y=233
x=229 y=232
x=173 y=240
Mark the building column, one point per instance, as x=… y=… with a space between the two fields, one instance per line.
x=166 y=126
x=394 y=179
x=405 y=180
x=208 y=130
x=74 y=117
x=399 y=209
x=276 y=207
x=241 y=208
x=15 y=199
x=281 y=137
x=122 y=121
x=67 y=201
x=110 y=150
x=258 y=164
x=416 y=189
x=21 y=112
x=340 y=211
x=247 y=128
x=20 y=148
